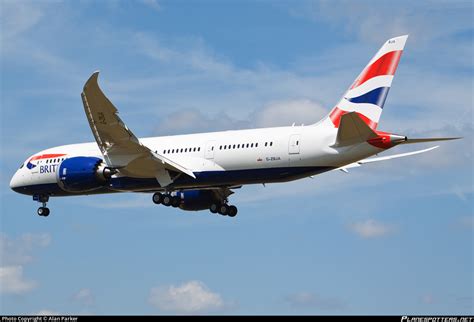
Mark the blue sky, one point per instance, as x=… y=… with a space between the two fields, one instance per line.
x=390 y=238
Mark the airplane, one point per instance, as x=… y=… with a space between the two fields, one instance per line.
x=200 y=171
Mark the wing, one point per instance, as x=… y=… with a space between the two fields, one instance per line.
x=389 y=157
x=121 y=149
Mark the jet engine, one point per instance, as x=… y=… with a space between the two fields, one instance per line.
x=82 y=174
x=197 y=199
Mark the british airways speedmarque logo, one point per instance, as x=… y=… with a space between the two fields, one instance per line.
x=30 y=165
x=44 y=168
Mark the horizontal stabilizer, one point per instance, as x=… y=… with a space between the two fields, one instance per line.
x=388 y=157
x=409 y=141
x=353 y=130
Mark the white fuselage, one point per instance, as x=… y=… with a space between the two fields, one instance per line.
x=222 y=159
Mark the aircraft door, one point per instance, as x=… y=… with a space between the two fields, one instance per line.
x=294 y=144
x=209 y=152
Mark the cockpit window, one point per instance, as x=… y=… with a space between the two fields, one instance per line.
x=21 y=166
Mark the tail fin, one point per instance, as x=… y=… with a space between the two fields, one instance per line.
x=367 y=94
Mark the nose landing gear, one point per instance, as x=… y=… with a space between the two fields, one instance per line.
x=42 y=211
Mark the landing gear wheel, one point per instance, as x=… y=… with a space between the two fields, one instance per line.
x=223 y=209
x=157 y=198
x=43 y=211
x=175 y=201
x=214 y=208
x=232 y=212
x=167 y=199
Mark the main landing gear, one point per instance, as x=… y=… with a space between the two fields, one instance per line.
x=219 y=206
x=42 y=211
x=223 y=209
x=166 y=199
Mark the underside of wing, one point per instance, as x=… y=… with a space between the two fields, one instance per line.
x=121 y=149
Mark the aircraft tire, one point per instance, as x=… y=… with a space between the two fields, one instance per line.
x=223 y=209
x=214 y=208
x=43 y=211
x=232 y=212
x=167 y=199
x=175 y=201
x=157 y=198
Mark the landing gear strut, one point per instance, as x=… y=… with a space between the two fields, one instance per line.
x=42 y=211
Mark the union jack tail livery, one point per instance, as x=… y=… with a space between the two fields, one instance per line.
x=367 y=94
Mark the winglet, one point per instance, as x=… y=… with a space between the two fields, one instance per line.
x=93 y=78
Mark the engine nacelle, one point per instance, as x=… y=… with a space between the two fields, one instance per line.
x=197 y=199
x=82 y=174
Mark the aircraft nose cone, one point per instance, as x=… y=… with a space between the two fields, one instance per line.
x=14 y=182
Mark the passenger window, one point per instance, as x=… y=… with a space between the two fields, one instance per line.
x=256 y=145
x=247 y=145
x=297 y=142
x=164 y=151
x=271 y=143
x=265 y=143
x=225 y=147
x=251 y=145
x=238 y=146
x=181 y=150
x=199 y=149
x=233 y=147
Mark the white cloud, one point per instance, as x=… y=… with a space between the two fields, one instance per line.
x=14 y=253
x=284 y=113
x=13 y=282
x=387 y=19
x=311 y=300
x=192 y=121
x=18 y=17
x=279 y=113
x=20 y=251
x=371 y=229
x=153 y=4
x=84 y=296
x=189 y=297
